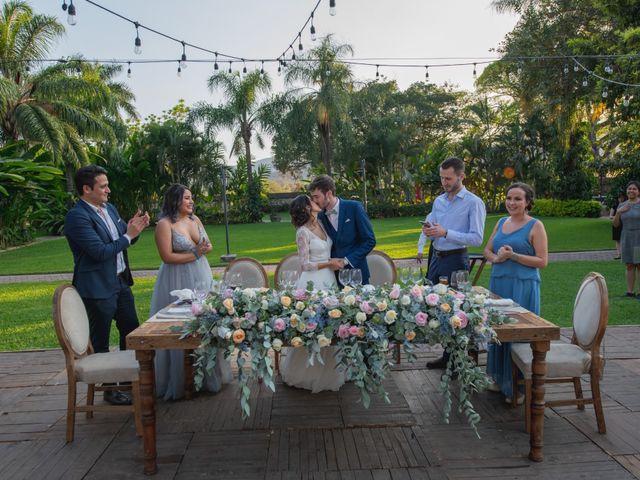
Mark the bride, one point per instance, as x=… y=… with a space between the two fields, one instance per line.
x=314 y=252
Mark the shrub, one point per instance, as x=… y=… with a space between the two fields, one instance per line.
x=566 y=208
x=385 y=210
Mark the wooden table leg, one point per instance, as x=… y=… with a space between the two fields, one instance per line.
x=538 y=370
x=188 y=375
x=147 y=391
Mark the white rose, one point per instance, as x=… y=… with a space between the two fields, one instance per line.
x=323 y=341
x=264 y=305
x=433 y=324
x=405 y=300
x=350 y=300
x=390 y=317
x=361 y=317
x=249 y=293
x=347 y=289
x=300 y=305
x=440 y=289
x=479 y=299
x=277 y=344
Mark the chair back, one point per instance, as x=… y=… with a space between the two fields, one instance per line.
x=590 y=312
x=288 y=263
x=71 y=323
x=252 y=273
x=382 y=270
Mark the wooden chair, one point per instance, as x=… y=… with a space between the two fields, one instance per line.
x=251 y=273
x=288 y=263
x=568 y=362
x=473 y=259
x=94 y=369
x=382 y=270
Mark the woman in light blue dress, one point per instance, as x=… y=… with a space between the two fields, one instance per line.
x=182 y=244
x=517 y=249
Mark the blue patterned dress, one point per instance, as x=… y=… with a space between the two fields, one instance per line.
x=513 y=280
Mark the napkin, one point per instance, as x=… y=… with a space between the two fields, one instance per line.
x=182 y=295
x=174 y=313
x=498 y=302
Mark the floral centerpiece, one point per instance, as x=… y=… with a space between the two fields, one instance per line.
x=360 y=322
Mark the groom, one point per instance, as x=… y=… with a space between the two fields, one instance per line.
x=346 y=223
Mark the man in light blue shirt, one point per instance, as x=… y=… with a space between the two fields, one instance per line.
x=455 y=222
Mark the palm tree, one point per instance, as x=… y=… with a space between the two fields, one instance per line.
x=58 y=106
x=330 y=81
x=243 y=113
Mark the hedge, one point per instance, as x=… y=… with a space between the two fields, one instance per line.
x=566 y=208
x=393 y=211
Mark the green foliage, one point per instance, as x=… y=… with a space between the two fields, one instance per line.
x=566 y=208
x=391 y=211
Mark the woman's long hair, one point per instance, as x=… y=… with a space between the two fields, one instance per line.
x=172 y=201
x=300 y=210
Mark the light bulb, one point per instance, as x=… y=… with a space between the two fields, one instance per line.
x=377 y=72
x=179 y=71
x=585 y=82
x=279 y=70
x=183 y=61
x=426 y=73
x=229 y=67
x=313 y=33
x=64 y=5
x=332 y=7
x=576 y=67
x=565 y=69
x=137 y=49
x=625 y=102
x=71 y=18
x=129 y=71
x=605 y=92
x=475 y=73
x=519 y=69
x=215 y=66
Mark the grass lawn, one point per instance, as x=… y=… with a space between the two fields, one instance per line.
x=269 y=242
x=26 y=322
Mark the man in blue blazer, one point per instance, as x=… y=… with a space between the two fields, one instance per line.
x=346 y=223
x=99 y=239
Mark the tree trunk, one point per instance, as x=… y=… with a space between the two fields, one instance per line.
x=246 y=137
x=325 y=146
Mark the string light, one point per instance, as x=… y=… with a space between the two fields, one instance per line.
x=377 y=71
x=608 y=68
x=576 y=68
x=426 y=72
x=64 y=5
x=229 y=67
x=244 y=67
x=312 y=30
x=262 y=68
x=279 y=70
x=332 y=7
x=215 y=63
x=300 y=41
x=605 y=91
x=625 y=102
x=585 y=81
x=129 y=71
x=179 y=70
x=566 y=69
x=137 y=48
x=475 y=73
x=293 y=52
x=519 y=69
x=183 y=59
x=71 y=11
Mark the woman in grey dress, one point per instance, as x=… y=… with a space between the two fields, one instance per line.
x=182 y=244
x=628 y=214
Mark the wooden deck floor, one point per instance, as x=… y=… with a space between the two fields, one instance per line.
x=293 y=434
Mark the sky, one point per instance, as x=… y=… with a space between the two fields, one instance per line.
x=421 y=31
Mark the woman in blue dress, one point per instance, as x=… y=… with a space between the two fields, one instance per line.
x=517 y=249
x=183 y=245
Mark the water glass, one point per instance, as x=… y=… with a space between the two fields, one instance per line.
x=356 y=277
x=416 y=275
x=345 y=276
x=202 y=289
x=462 y=280
x=233 y=279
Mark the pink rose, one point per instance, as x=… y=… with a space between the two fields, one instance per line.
x=279 y=325
x=228 y=293
x=196 y=309
x=459 y=296
x=354 y=330
x=311 y=326
x=343 y=331
x=432 y=299
x=395 y=292
x=366 y=308
x=330 y=301
x=416 y=291
x=464 y=320
x=237 y=321
x=300 y=294
x=421 y=319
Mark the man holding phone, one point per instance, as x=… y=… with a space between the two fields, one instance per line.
x=455 y=222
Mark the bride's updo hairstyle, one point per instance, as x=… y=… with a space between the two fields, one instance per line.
x=300 y=210
x=172 y=202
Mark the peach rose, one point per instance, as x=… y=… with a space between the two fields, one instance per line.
x=238 y=336
x=410 y=335
x=285 y=301
x=445 y=307
x=335 y=313
x=296 y=342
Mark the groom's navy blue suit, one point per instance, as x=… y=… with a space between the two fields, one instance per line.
x=354 y=238
x=106 y=294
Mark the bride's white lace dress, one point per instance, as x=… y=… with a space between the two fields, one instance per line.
x=295 y=372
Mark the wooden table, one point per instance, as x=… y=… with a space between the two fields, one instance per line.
x=152 y=336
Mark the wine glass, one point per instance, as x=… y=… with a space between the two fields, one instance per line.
x=202 y=289
x=462 y=280
x=345 y=276
x=292 y=277
x=233 y=279
x=415 y=272
x=405 y=276
x=356 y=277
